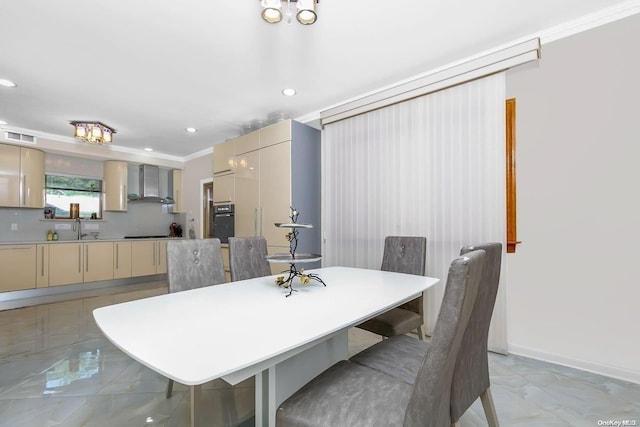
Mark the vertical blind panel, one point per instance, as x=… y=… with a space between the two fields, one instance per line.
x=433 y=166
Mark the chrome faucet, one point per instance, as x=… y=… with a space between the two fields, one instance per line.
x=77 y=226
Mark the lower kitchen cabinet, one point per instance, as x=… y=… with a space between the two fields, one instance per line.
x=161 y=268
x=17 y=265
x=121 y=260
x=225 y=262
x=65 y=264
x=30 y=266
x=148 y=257
x=98 y=261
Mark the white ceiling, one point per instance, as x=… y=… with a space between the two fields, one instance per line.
x=151 y=68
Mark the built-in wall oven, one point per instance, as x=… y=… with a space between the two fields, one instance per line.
x=222 y=222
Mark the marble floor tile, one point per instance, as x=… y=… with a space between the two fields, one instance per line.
x=56 y=369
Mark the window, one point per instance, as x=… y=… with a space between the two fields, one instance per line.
x=61 y=191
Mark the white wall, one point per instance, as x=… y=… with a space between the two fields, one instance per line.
x=573 y=286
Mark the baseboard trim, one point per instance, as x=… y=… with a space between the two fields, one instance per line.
x=616 y=372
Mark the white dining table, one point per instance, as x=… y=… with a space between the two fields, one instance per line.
x=250 y=328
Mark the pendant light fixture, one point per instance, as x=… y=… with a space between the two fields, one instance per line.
x=272 y=10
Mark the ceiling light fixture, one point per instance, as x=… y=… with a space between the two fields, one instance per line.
x=93 y=132
x=272 y=11
x=288 y=92
x=191 y=130
x=7 y=83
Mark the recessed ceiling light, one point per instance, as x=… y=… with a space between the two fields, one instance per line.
x=148 y=149
x=288 y=92
x=191 y=130
x=7 y=83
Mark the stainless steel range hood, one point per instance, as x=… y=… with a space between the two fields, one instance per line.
x=149 y=188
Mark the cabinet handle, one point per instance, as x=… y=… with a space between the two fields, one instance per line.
x=79 y=259
x=24 y=190
x=123 y=202
x=86 y=259
x=154 y=254
x=42 y=263
x=117 y=256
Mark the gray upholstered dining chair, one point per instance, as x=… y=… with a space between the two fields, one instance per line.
x=351 y=394
x=401 y=356
x=193 y=264
x=248 y=258
x=402 y=255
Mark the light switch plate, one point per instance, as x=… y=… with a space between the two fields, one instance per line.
x=14 y=227
x=62 y=226
x=91 y=227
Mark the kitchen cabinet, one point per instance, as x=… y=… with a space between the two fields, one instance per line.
x=247 y=195
x=17 y=267
x=178 y=205
x=263 y=193
x=21 y=177
x=275 y=192
x=275 y=133
x=148 y=257
x=65 y=263
x=224 y=189
x=161 y=267
x=223 y=155
x=121 y=260
x=274 y=178
x=98 y=261
x=225 y=262
x=247 y=142
x=115 y=185
x=42 y=265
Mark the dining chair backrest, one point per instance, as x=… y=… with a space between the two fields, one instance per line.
x=406 y=254
x=194 y=263
x=248 y=258
x=429 y=404
x=471 y=377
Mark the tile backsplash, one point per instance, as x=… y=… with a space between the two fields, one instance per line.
x=29 y=225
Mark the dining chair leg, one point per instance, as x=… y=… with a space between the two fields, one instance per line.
x=420 y=333
x=169 y=388
x=489 y=408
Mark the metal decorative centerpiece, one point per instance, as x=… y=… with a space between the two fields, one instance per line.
x=292 y=258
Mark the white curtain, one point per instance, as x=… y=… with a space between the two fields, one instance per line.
x=433 y=166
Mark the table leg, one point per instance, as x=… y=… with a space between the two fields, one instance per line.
x=265 y=405
x=276 y=383
x=196 y=413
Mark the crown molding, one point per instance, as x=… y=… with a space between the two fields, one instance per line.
x=587 y=22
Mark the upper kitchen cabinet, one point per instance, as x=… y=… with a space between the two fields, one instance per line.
x=176 y=180
x=276 y=133
x=247 y=142
x=21 y=177
x=223 y=158
x=115 y=185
